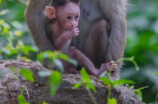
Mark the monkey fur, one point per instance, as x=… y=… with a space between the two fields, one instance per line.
x=102 y=28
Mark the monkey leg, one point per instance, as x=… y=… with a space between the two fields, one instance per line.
x=96 y=47
x=97 y=43
x=82 y=60
x=68 y=67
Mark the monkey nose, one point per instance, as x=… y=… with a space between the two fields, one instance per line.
x=72 y=25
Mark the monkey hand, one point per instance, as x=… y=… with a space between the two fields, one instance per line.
x=73 y=32
x=109 y=67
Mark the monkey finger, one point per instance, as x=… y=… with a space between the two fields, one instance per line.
x=114 y=65
x=111 y=62
x=77 y=32
x=114 y=69
x=76 y=29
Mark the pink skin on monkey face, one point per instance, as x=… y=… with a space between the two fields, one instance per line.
x=68 y=15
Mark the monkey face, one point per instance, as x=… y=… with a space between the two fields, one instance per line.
x=68 y=15
x=70 y=22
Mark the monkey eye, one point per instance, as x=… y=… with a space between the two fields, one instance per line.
x=69 y=17
x=76 y=17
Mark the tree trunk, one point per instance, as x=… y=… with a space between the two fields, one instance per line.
x=10 y=88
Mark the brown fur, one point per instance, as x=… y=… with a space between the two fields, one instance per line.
x=102 y=28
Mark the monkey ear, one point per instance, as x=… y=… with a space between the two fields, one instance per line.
x=51 y=12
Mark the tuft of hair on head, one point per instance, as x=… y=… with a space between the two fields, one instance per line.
x=57 y=3
x=62 y=2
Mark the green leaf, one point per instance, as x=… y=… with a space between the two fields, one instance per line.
x=17 y=33
x=59 y=64
x=91 y=86
x=112 y=101
x=44 y=102
x=27 y=49
x=76 y=86
x=55 y=82
x=128 y=59
x=139 y=93
x=123 y=81
x=106 y=81
x=45 y=54
x=0 y=2
x=155 y=73
x=22 y=100
x=26 y=73
x=2 y=22
x=66 y=58
x=85 y=76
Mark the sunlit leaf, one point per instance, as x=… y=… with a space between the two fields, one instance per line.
x=18 y=33
x=138 y=92
x=76 y=86
x=128 y=59
x=66 y=58
x=5 y=30
x=91 y=86
x=31 y=48
x=43 y=55
x=20 y=43
x=45 y=103
x=1 y=22
x=55 y=82
x=122 y=81
x=25 y=58
x=112 y=101
x=0 y=2
x=85 y=75
x=27 y=74
x=106 y=81
x=22 y=100
x=155 y=73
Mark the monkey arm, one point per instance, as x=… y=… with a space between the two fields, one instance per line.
x=35 y=20
x=61 y=41
x=115 y=12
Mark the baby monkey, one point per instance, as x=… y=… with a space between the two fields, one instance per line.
x=62 y=27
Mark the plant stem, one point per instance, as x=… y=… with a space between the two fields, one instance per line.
x=91 y=95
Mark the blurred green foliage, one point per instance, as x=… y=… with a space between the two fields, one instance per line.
x=142 y=41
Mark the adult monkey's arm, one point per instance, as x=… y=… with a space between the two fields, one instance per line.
x=34 y=16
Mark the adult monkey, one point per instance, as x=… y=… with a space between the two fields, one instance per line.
x=102 y=28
